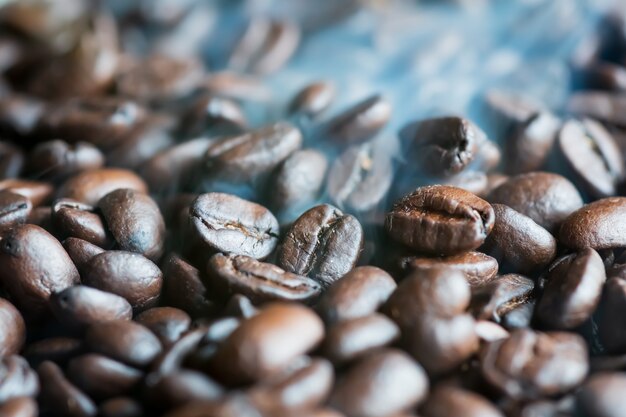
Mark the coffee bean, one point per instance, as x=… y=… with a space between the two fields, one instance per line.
x=382 y=384
x=323 y=243
x=212 y=113
x=167 y=323
x=172 y=358
x=440 y=220
x=258 y=280
x=56 y=159
x=126 y=274
x=240 y=306
x=488 y=331
x=14 y=209
x=34 y=266
x=225 y=223
x=60 y=395
x=179 y=388
x=518 y=243
x=520 y=316
x=358 y=294
x=81 y=252
x=234 y=405
x=37 y=192
x=573 y=290
x=530 y=364
x=120 y=407
x=597 y=225
x=55 y=349
x=17 y=379
x=237 y=86
x=19 y=407
x=20 y=115
x=600 y=105
x=447 y=400
x=601 y=75
x=135 y=222
x=74 y=219
x=90 y=186
x=298 y=180
x=473 y=181
x=80 y=305
x=313 y=99
x=361 y=121
x=603 y=395
x=11 y=160
x=508 y=109
x=12 y=329
x=495 y=299
x=183 y=287
x=101 y=377
x=278 y=334
x=219 y=330
x=544 y=197
x=612 y=306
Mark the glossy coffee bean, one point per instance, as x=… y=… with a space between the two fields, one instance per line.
x=80 y=305
x=81 y=252
x=361 y=121
x=35 y=266
x=299 y=179
x=167 y=323
x=74 y=219
x=358 y=294
x=38 y=192
x=323 y=244
x=278 y=334
x=495 y=299
x=120 y=407
x=258 y=280
x=240 y=306
x=62 y=396
x=598 y=225
x=101 y=377
x=14 y=209
x=384 y=383
x=530 y=365
x=180 y=387
x=603 y=395
x=212 y=113
x=572 y=290
x=229 y=224
x=448 y=401
x=126 y=274
x=440 y=220
x=488 y=331
x=55 y=349
x=17 y=379
x=529 y=143
x=19 y=407
x=599 y=105
x=313 y=99
x=518 y=243
x=56 y=160
x=90 y=186
x=612 y=306
x=183 y=287
x=12 y=329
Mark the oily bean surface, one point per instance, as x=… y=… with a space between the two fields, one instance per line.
x=81 y=305
x=90 y=186
x=598 y=225
x=12 y=329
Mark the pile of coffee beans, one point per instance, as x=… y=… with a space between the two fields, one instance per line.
x=162 y=252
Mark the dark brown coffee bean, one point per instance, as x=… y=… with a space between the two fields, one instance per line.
x=80 y=305
x=17 y=379
x=20 y=114
x=611 y=308
x=120 y=407
x=298 y=180
x=531 y=365
x=278 y=334
x=183 y=288
x=37 y=192
x=361 y=121
x=258 y=280
x=518 y=243
x=74 y=219
x=218 y=330
x=243 y=158
x=520 y=316
x=447 y=401
x=125 y=341
x=12 y=329
x=90 y=186
x=603 y=395
x=527 y=147
x=61 y=396
x=544 y=197
x=592 y=154
x=598 y=225
x=601 y=75
x=488 y=331
x=172 y=358
x=56 y=349
x=382 y=384
x=211 y=113
x=495 y=299
x=101 y=377
x=473 y=181
x=230 y=406
x=34 y=266
x=240 y=306
x=11 y=160
x=358 y=294
x=229 y=224
x=167 y=323
x=19 y=407
x=14 y=209
x=508 y=109
x=135 y=222
x=352 y=339
x=600 y=105
x=126 y=274
x=572 y=291
x=323 y=243
x=179 y=388
x=313 y=99
x=81 y=252
x=56 y=159
x=440 y=220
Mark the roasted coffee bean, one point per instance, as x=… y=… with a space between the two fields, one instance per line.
x=447 y=401
x=60 y=395
x=80 y=305
x=14 y=209
x=382 y=384
x=56 y=159
x=37 y=192
x=19 y=407
x=126 y=274
x=179 y=388
x=603 y=395
x=518 y=243
x=219 y=330
x=41 y=216
x=56 y=349
x=593 y=156
x=430 y=310
x=352 y=339
x=601 y=105
x=20 y=115
x=230 y=406
x=74 y=219
x=529 y=144
x=361 y=121
x=243 y=158
x=12 y=329
x=120 y=407
x=508 y=109
x=611 y=308
x=173 y=357
x=81 y=252
x=358 y=294
x=531 y=365
x=135 y=222
x=237 y=86
x=90 y=186
x=440 y=220
x=167 y=323
x=258 y=280
x=323 y=243
x=34 y=266
x=520 y=316
x=488 y=331
x=240 y=306
x=313 y=99
x=495 y=299
x=11 y=160
x=298 y=180
x=598 y=225
x=101 y=377
x=544 y=197
x=473 y=181
x=183 y=287
x=572 y=291
x=125 y=341
x=278 y=334
x=211 y=113
x=601 y=75
x=17 y=379
x=229 y=224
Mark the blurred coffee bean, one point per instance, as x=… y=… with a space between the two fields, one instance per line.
x=167 y=323
x=81 y=252
x=80 y=306
x=74 y=219
x=447 y=401
x=323 y=243
x=120 y=407
x=12 y=329
x=183 y=287
x=209 y=114
x=475 y=182
x=313 y=99
x=90 y=186
x=360 y=122
x=600 y=75
x=19 y=407
x=14 y=209
x=17 y=379
x=240 y=306
x=237 y=86
x=61 y=396
x=605 y=106
x=11 y=160
x=20 y=116
x=440 y=220
x=598 y=225
x=572 y=290
x=259 y=281
x=55 y=349
x=181 y=387
x=488 y=331
x=520 y=316
x=36 y=191
x=508 y=109
x=529 y=143
x=531 y=365
x=173 y=357
x=611 y=308
x=101 y=377
x=229 y=224
x=55 y=160
x=603 y=395
x=494 y=300
x=382 y=384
